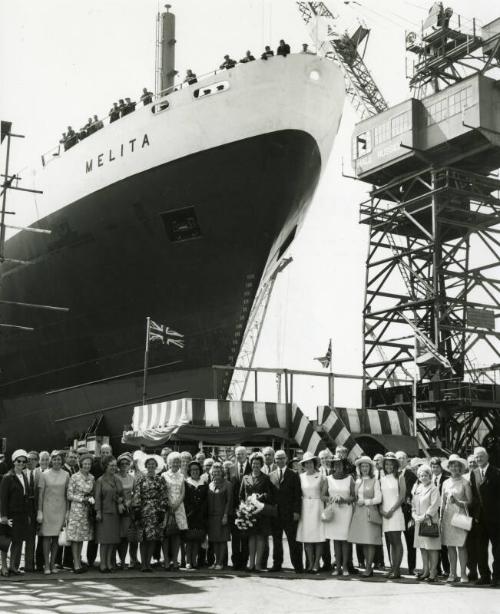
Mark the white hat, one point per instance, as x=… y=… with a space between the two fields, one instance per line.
x=454 y=458
x=18 y=454
x=363 y=459
x=308 y=456
x=416 y=462
x=160 y=463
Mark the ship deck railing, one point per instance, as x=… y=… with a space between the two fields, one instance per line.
x=158 y=98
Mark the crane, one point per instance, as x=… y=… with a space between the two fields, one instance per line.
x=343 y=49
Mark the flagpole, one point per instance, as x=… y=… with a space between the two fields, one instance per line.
x=146 y=360
x=331 y=380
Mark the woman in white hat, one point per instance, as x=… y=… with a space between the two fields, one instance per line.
x=16 y=519
x=366 y=525
x=127 y=530
x=393 y=487
x=456 y=497
x=311 y=530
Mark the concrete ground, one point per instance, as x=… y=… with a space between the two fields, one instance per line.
x=201 y=592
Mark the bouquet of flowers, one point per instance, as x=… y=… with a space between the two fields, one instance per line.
x=246 y=514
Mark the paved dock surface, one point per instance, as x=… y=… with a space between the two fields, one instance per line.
x=200 y=592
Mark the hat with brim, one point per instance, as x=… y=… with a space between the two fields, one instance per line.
x=364 y=459
x=391 y=456
x=19 y=454
x=308 y=456
x=454 y=458
x=160 y=463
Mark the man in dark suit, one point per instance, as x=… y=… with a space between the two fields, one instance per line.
x=32 y=473
x=485 y=485
x=239 y=541
x=288 y=496
x=409 y=533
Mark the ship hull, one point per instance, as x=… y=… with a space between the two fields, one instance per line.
x=114 y=259
x=173 y=215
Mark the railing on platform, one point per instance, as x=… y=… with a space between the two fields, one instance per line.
x=286 y=380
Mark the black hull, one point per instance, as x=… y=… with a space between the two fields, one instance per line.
x=115 y=258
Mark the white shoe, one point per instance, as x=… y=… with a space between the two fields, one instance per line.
x=345 y=573
x=335 y=573
x=218 y=567
x=211 y=567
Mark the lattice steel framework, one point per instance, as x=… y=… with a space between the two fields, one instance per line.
x=433 y=275
x=361 y=89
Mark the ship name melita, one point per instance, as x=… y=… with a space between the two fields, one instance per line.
x=112 y=154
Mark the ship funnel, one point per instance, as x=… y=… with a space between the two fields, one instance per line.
x=165 y=50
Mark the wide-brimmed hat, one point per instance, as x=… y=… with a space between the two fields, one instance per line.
x=308 y=456
x=455 y=458
x=160 y=463
x=364 y=459
x=19 y=454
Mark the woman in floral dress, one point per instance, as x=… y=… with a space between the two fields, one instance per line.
x=80 y=526
x=150 y=504
x=176 y=514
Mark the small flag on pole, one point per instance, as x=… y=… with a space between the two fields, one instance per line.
x=160 y=332
x=4 y=129
x=327 y=358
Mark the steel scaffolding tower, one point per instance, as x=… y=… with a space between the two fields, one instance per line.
x=432 y=292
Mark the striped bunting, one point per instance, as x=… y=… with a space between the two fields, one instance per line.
x=336 y=431
x=375 y=421
x=159 y=419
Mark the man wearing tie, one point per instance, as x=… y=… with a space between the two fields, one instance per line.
x=239 y=541
x=32 y=473
x=288 y=496
x=269 y=464
x=485 y=485
x=71 y=464
x=409 y=532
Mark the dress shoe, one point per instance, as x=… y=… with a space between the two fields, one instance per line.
x=482 y=582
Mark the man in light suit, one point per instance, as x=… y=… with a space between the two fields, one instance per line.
x=288 y=496
x=239 y=541
x=485 y=485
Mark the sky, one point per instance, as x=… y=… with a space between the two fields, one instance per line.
x=63 y=60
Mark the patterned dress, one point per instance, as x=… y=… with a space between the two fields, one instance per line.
x=127 y=528
x=150 y=498
x=175 y=495
x=80 y=527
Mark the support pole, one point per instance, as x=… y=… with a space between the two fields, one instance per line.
x=4 y=202
x=146 y=361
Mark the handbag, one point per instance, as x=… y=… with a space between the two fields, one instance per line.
x=327 y=514
x=5 y=537
x=428 y=529
x=170 y=527
x=462 y=521
x=63 y=540
x=374 y=515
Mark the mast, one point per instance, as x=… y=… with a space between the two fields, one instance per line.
x=165 y=51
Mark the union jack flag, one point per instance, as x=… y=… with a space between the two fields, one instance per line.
x=327 y=358
x=160 y=332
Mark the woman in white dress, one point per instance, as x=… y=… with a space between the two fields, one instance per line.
x=366 y=525
x=310 y=530
x=176 y=489
x=340 y=498
x=425 y=509
x=393 y=487
x=456 y=497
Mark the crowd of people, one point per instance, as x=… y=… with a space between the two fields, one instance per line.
x=125 y=105
x=119 y=109
x=174 y=510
